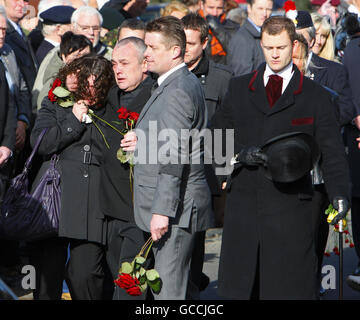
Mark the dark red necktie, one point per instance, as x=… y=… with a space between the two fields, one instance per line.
x=273 y=88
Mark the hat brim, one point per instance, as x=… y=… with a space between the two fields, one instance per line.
x=290 y=156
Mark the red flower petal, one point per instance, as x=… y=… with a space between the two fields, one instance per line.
x=134 y=291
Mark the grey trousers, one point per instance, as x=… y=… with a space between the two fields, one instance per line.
x=173 y=254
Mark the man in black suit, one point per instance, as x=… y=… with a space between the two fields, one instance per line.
x=133 y=89
x=18 y=41
x=56 y=21
x=8 y=256
x=268 y=240
x=334 y=76
x=350 y=60
x=214 y=79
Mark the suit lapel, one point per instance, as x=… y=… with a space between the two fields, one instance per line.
x=258 y=92
x=11 y=31
x=160 y=89
x=318 y=69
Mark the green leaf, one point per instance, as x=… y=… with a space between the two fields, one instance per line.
x=152 y=275
x=61 y=92
x=126 y=267
x=143 y=287
x=142 y=272
x=66 y=103
x=155 y=285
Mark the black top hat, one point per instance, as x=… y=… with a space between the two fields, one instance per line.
x=303 y=20
x=290 y=156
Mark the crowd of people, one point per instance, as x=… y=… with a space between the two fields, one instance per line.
x=283 y=80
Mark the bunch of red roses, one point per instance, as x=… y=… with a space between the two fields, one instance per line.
x=134 y=278
x=129 y=119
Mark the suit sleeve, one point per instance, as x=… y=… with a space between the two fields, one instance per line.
x=9 y=130
x=178 y=114
x=241 y=54
x=341 y=85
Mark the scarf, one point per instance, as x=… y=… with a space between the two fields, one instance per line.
x=216 y=47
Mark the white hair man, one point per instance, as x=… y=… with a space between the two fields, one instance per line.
x=87 y=21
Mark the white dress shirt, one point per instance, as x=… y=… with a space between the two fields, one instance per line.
x=285 y=73
x=162 y=78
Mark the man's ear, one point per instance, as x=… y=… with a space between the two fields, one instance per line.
x=176 y=52
x=205 y=43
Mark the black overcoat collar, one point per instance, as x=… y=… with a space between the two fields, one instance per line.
x=257 y=91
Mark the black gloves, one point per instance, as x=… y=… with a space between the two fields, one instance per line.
x=341 y=205
x=251 y=156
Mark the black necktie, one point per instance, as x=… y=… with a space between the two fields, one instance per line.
x=273 y=89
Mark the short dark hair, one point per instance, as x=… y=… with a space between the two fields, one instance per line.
x=71 y=42
x=133 y=24
x=277 y=24
x=172 y=30
x=194 y=21
x=190 y=3
x=251 y=2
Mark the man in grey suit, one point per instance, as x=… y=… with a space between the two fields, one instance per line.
x=172 y=200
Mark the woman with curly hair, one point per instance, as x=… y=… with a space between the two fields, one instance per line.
x=79 y=144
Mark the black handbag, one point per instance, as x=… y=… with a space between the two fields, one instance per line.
x=35 y=215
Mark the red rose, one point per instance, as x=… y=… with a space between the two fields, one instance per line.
x=134 y=116
x=134 y=291
x=56 y=83
x=51 y=95
x=289 y=5
x=123 y=113
x=126 y=281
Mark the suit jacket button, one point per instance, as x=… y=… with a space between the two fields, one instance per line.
x=69 y=129
x=86 y=174
x=86 y=148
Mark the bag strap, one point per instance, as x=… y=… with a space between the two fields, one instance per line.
x=35 y=149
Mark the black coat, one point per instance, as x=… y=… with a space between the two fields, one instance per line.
x=270 y=223
x=73 y=141
x=43 y=50
x=335 y=76
x=351 y=63
x=116 y=195
x=214 y=79
x=7 y=114
x=25 y=56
